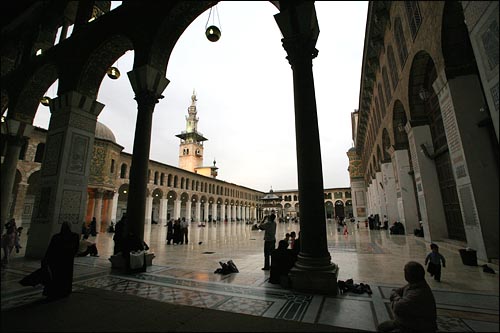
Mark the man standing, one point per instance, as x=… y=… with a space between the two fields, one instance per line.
x=269 y=226
x=184 y=230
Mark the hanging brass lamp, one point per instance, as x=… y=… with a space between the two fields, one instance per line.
x=45 y=100
x=113 y=73
x=213 y=32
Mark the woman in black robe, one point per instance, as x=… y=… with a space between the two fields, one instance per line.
x=60 y=257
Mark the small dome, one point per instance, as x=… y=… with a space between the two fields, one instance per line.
x=103 y=132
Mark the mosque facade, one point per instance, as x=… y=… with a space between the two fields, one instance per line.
x=426 y=130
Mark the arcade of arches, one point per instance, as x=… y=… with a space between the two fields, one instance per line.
x=32 y=61
x=426 y=131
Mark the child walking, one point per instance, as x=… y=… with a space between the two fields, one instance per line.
x=434 y=259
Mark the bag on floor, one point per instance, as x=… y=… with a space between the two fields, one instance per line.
x=137 y=259
x=232 y=267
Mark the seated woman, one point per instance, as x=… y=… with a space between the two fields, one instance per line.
x=282 y=261
x=87 y=247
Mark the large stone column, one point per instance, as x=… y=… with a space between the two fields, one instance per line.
x=198 y=211
x=473 y=156
x=405 y=190
x=214 y=211
x=313 y=270
x=65 y=169
x=206 y=211
x=149 y=209
x=427 y=182
x=222 y=212
x=114 y=208
x=188 y=211
x=177 y=208
x=16 y=133
x=98 y=208
x=163 y=211
x=148 y=85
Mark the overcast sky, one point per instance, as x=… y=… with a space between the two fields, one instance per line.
x=245 y=95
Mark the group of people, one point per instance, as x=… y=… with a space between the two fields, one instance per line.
x=375 y=223
x=177 y=231
x=279 y=261
x=91 y=229
x=11 y=240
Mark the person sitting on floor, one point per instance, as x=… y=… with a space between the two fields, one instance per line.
x=413 y=305
x=87 y=247
x=282 y=261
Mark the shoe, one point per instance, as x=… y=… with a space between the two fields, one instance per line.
x=368 y=289
x=265 y=268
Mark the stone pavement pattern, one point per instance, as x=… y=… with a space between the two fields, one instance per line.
x=182 y=275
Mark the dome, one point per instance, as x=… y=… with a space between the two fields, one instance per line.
x=103 y=132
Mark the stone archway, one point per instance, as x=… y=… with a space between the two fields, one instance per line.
x=339 y=209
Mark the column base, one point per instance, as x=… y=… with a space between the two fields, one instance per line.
x=318 y=282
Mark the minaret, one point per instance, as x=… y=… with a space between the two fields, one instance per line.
x=191 y=146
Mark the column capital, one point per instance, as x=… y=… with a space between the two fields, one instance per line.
x=148 y=84
x=15 y=130
x=300 y=30
x=76 y=100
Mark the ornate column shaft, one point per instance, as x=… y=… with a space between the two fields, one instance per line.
x=313 y=269
x=65 y=169
x=148 y=84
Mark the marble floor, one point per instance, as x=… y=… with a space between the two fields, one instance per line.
x=467 y=298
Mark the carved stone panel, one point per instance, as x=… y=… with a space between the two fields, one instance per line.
x=52 y=153
x=78 y=154
x=70 y=207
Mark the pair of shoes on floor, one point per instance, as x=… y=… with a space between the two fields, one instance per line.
x=265 y=268
x=366 y=287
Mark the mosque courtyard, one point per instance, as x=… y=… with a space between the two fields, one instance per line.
x=183 y=275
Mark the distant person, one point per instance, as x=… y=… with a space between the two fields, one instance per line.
x=60 y=257
x=281 y=262
x=177 y=231
x=291 y=241
x=85 y=230
x=87 y=247
x=269 y=226
x=18 y=239
x=434 y=258
x=184 y=231
x=413 y=305
x=296 y=248
x=8 y=242
x=170 y=231
x=93 y=227
x=119 y=235
x=386 y=222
